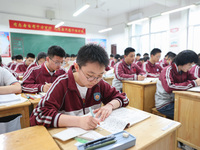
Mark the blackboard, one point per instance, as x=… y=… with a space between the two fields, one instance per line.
x=33 y=43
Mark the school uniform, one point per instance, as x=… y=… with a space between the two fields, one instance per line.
x=152 y=70
x=195 y=71
x=163 y=63
x=125 y=72
x=35 y=78
x=6 y=78
x=171 y=79
x=63 y=97
x=21 y=68
x=9 y=64
x=139 y=63
x=111 y=63
x=11 y=71
x=32 y=65
x=13 y=65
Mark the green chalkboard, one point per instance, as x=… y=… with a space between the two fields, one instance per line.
x=32 y=43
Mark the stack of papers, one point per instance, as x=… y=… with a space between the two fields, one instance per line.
x=11 y=99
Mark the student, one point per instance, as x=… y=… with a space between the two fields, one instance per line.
x=127 y=70
x=175 y=77
x=137 y=57
x=8 y=83
x=150 y=67
x=71 y=94
x=140 y=62
x=40 y=78
x=116 y=59
x=13 y=58
x=167 y=60
x=67 y=64
x=111 y=61
x=19 y=59
x=21 y=67
x=11 y=71
x=40 y=59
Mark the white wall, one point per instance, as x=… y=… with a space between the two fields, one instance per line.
x=91 y=29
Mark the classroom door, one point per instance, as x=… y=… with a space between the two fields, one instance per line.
x=113 y=49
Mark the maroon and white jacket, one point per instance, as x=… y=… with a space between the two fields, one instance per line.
x=125 y=72
x=170 y=79
x=63 y=97
x=111 y=63
x=13 y=65
x=152 y=70
x=32 y=65
x=139 y=63
x=21 y=68
x=35 y=78
x=163 y=63
x=11 y=71
x=195 y=71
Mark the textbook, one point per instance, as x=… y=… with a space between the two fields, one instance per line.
x=122 y=118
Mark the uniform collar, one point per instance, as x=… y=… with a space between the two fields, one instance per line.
x=150 y=63
x=175 y=67
x=46 y=68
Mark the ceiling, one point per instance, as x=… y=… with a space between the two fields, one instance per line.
x=99 y=8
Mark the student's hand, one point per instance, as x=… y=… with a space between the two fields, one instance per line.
x=88 y=122
x=46 y=87
x=141 y=77
x=198 y=81
x=103 y=112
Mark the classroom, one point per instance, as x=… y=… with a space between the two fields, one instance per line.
x=144 y=85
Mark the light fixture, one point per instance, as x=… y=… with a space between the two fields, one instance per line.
x=176 y=10
x=86 y=6
x=105 y=30
x=59 y=24
x=136 y=21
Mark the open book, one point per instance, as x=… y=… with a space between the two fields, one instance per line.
x=122 y=118
x=195 y=89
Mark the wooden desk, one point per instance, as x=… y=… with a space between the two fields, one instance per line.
x=141 y=95
x=21 y=108
x=149 y=135
x=32 y=138
x=109 y=79
x=186 y=111
x=34 y=102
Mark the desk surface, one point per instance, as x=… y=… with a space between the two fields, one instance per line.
x=146 y=132
x=139 y=83
x=31 y=138
x=26 y=103
x=188 y=93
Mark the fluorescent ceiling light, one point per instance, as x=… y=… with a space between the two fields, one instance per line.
x=105 y=30
x=136 y=21
x=59 y=24
x=176 y=10
x=86 y=6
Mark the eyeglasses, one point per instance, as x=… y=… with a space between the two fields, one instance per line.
x=57 y=63
x=90 y=79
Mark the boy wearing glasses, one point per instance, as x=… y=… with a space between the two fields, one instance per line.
x=71 y=94
x=152 y=69
x=40 y=78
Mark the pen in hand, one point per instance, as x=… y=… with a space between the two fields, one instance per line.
x=91 y=112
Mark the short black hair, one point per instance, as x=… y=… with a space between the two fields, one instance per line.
x=122 y=56
x=41 y=55
x=146 y=58
x=67 y=55
x=19 y=57
x=13 y=57
x=155 y=51
x=55 y=51
x=73 y=55
x=141 y=59
x=145 y=54
x=31 y=55
x=0 y=60
x=92 y=53
x=168 y=53
x=171 y=55
x=111 y=55
x=184 y=57
x=128 y=50
x=138 y=54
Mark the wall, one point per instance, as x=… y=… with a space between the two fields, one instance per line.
x=91 y=29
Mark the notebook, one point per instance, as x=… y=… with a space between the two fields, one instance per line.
x=123 y=118
x=195 y=89
x=6 y=98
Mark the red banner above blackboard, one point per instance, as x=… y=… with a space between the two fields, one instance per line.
x=45 y=27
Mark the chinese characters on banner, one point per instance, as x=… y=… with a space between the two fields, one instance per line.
x=45 y=27
x=4 y=44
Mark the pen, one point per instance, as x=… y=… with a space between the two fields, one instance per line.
x=91 y=111
x=30 y=96
x=26 y=96
x=101 y=145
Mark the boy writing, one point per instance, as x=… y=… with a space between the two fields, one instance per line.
x=71 y=94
